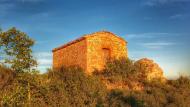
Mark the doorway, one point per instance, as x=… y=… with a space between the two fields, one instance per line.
x=106 y=54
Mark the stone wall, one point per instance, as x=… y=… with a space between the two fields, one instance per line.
x=103 y=40
x=73 y=54
x=88 y=52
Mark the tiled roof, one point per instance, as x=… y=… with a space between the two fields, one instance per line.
x=84 y=37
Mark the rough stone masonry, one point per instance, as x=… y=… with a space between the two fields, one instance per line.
x=90 y=51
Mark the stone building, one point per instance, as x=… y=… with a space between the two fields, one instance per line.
x=90 y=51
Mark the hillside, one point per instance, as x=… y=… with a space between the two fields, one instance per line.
x=70 y=87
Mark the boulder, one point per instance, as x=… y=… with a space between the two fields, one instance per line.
x=149 y=70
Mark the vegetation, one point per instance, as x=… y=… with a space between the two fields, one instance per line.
x=67 y=87
x=15 y=46
x=121 y=70
x=71 y=87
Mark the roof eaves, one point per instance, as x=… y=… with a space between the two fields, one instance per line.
x=69 y=43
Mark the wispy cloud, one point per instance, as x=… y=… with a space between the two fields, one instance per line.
x=179 y=16
x=42 y=54
x=147 y=18
x=2 y=61
x=8 y=6
x=21 y=1
x=162 y=2
x=41 y=42
x=148 y=35
x=30 y=0
x=155 y=35
x=44 y=60
x=43 y=68
x=5 y=7
x=156 y=45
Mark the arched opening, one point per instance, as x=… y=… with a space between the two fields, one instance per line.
x=106 y=54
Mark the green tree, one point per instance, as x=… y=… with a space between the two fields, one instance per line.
x=16 y=46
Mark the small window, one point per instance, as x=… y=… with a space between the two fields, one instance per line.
x=106 y=54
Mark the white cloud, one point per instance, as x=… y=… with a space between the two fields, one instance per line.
x=1 y=61
x=13 y=1
x=43 y=64
x=162 y=2
x=179 y=16
x=149 y=3
x=33 y=0
x=41 y=42
x=176 y=16
x=44 y=60
x=5 y=7
x=153 y=35
x=42 y=54
x=43 y=68
x=147 y=18
x=42 y=14
x=148 y=35
x=157 y=45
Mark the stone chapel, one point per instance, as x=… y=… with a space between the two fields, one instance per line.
x=90 y=51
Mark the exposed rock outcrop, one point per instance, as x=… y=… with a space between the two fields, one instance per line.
x=150 y=70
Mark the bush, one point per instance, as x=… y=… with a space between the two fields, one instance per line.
x=6 y=76
x=117 y=98
x=80 y=89
x=181 y=81
x=119 y=70
x=71 y=87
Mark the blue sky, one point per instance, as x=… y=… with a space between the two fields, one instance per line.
x=157 y=29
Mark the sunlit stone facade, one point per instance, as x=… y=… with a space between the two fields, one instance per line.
x=91 y=51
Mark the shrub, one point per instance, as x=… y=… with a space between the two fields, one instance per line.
x=117 y=98
x=6 y=76
x=119 y=70
x=71 y=87
x=80 y=89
